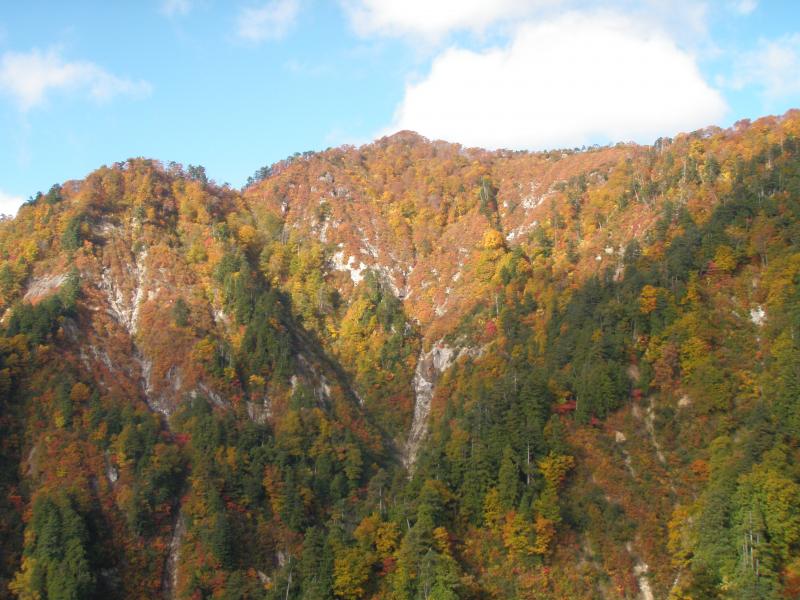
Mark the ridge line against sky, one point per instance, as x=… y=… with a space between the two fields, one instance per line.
x=234 y=86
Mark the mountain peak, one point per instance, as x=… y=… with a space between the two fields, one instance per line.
x=405 y=136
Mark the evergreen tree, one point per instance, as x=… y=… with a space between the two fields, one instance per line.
x=508 y=480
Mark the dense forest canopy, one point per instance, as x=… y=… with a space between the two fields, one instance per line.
x=409 y=370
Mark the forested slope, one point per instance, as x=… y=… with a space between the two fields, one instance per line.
x=410 y=370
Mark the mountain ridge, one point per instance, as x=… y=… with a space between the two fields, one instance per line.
x=409 y=368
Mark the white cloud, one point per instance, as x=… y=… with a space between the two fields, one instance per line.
x=9 y=204
x=744 y=7
x=270 y=21
x=176 y=8
x=773 y=67
x=576 y=79
x=28 y=77
x=434 y=18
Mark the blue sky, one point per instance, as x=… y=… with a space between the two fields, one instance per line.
x=237 y=85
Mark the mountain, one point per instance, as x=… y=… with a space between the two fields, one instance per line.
x=410 y=370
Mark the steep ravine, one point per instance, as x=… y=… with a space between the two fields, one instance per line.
x=169 y=583
x=125 y=298
x=430 y=366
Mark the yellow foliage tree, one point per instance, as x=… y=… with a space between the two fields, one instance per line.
x=545 y=532
x=725 y=259
x=492 y=510
x=648 y=300
x=350 y=573
x=517 y=533
x=492 y=240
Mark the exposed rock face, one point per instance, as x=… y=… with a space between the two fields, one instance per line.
x=142 y=284
x=259 y=412
x=126 y=292
x=127 y=284
x=41 y=287
x=112 y=472
x=169 y=583
x=430 y=366
x=640 y=570
x=758 y=315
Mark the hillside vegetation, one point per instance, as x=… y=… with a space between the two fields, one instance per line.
x=409 y=370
